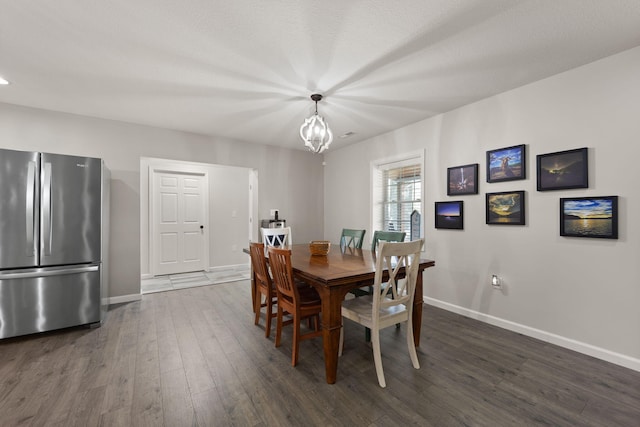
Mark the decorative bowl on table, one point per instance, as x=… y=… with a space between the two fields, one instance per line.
x=319 y=247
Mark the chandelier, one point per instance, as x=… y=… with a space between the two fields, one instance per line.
x=315 y=131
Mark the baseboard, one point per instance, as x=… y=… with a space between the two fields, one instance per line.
x=124 y=298
x=580 y=347
x=146 y=276
x=229 y=267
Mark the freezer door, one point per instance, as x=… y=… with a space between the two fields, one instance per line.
x=70 y=209
x=19 y=206
x=44 y=299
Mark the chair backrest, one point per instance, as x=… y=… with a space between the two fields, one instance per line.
x=278 y=237
x=259 y=264
x=351 y=238
x=280 y=263
x=400 y=286
x=386 y=236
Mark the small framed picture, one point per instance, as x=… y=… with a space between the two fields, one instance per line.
x=462 y=180
x=506 y=164
x=506 y=208
x=450 y=215
x=563 y=170
x=589 y=217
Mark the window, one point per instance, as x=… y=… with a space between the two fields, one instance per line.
x=397 y=193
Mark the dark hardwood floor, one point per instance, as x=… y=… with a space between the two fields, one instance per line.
x=193 y=357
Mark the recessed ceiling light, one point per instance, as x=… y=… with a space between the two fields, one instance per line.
x=3 y=81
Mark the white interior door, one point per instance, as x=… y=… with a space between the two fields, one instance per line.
x=179 y=219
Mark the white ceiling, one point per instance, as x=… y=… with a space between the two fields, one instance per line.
x=244 y=69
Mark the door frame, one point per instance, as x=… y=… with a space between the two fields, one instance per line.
x=178 y=169
x=254 y=234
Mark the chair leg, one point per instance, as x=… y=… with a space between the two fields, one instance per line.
x=269 y=314
x=316 y=320
x=257 y=301
x=411 y=345
x=296 y=341
x=367 y=331
x=278 y=326
x=377 y=357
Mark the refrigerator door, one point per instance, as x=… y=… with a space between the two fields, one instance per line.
x=19 y=206
x=70 y=209
x=43 y=299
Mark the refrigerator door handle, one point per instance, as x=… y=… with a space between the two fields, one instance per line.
x=42 y=272
x=30 y=217
x=46 y=211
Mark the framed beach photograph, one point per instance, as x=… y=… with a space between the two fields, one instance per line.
x=450 y=215
x=462 y=180
x=506 y=208
x=563 y=170
x=506 y=164
x=589 y=217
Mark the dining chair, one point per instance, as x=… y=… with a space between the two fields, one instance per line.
x=351 y=238
x=293 y=301
x=278 y=237
x=391 y=302
x=379 y=236
x=386 y=236
x=263 y=286
x=382 y=236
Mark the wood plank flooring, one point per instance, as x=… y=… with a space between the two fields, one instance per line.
x=193 y=357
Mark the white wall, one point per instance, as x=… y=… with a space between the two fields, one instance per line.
x=577 y=292
x=122 y=145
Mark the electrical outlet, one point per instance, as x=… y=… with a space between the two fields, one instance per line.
x=496 y=282
x=272 y=212
x=234 y=248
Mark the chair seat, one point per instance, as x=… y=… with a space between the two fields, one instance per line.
x=308 y=298
x=311 y=298
x=360 y=310
x=308 y=294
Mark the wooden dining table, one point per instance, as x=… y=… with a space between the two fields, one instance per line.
x=333 y=276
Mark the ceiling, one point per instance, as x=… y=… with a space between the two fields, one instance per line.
x=244 y=69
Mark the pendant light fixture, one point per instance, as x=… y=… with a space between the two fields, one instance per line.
x=315 y=131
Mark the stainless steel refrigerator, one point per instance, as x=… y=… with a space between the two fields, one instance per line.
x=53 y=241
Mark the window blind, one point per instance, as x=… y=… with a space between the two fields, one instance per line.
x=397 y=192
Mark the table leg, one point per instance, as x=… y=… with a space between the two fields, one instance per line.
x=331 y=324
x=417 y=310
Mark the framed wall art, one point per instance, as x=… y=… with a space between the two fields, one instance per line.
x=563 y=170
x=506 y=208
x=450 y=215
x=589 y=217
x=506 y=164
x=462 y=180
